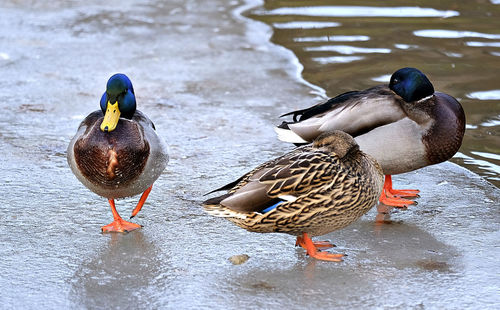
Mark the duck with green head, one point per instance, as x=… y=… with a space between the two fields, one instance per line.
x=405 y=126
x=116 y=152
x=311 y=191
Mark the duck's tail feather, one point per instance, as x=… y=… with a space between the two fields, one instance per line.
x=286 y=135
x=226 y=187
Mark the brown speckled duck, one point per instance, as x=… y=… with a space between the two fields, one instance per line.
x=116 y=152
x=311 y=191
x=404 y=125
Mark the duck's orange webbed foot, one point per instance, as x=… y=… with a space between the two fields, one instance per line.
x=118 y=224
x=404 y=192
x=393 y=197
x=395 y=201
x=311 y=248
x=327 y=256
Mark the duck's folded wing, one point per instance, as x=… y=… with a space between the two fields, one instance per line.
x=289 y=177
x=355 y=113
x=321 y=107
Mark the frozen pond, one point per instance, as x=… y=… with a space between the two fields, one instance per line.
x=214 y=86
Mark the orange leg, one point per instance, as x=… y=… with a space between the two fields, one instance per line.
x=141 y=201
x=393 y=197
x=317 y=244
x=306 y=242
x=118 y=224
x=399 y=192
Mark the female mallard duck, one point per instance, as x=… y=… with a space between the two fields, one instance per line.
x=405 y=126
x=312 y=190
x=116 y=152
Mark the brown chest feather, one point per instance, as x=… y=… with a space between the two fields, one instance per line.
x=445 y=136
x=112 y=158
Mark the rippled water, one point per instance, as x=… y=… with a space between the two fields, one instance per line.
x=348 y=45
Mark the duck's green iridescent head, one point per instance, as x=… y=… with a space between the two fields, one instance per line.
x=411 y=84
x=118 y=101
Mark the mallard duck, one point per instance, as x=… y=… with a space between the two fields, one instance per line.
x=311 y=191
x=116 y=152
x=404 y=125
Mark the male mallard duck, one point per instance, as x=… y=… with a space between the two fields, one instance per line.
x=116 y=152
x=312 y=190
x=405 y=126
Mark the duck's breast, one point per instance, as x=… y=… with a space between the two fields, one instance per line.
x=111 y=163
x=444 y=138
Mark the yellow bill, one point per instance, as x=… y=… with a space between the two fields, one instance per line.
x=111 y=117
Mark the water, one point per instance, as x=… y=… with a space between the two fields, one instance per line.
x=349 y=45
x=213 y=84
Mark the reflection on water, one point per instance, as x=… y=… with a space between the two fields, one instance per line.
x=333 y=39
x=361 y=11
x=382 y=79
x=453 y=34
x=489 y=169
x=490 y=44
x=456 y=44
x=121 y=274
x=336 y=59
x=485 y=95
x=305 y=25
x=346 y=49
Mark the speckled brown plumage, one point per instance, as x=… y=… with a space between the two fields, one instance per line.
x=332 y=181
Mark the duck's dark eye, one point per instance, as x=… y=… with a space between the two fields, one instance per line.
x=395 y=81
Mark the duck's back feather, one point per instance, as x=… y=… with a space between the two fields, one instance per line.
x=293 y=174
x=354 y=112
x=322 y=107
